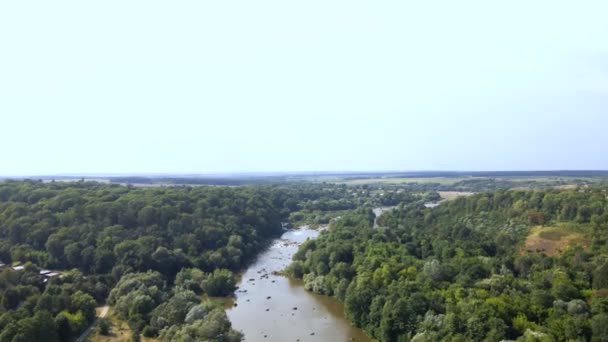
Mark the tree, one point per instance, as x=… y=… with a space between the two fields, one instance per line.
x=600 y=276
x=599 y=327
x=104 y=326
x=219 y=283
x=174 y=311
x=199 y=312
x=215 y=326
x=84 y=303
x=190 y=279
x=11 y=298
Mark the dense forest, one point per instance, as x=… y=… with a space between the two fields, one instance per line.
x=99 y=235
x=483 y=268
x=500 y=265
x=150 y=253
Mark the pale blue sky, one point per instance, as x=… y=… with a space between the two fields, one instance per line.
x=225 y=86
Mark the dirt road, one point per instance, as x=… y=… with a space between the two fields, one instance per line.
x=103 y=311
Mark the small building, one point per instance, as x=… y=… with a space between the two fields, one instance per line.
x=52 y=274
x=18 y=268
x=44 y=272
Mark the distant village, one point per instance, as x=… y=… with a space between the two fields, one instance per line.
x=46 y=274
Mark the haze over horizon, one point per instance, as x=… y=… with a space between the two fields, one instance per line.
x=269 y=86
x=239 y=174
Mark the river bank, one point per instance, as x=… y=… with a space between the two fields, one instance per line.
x=272 y=307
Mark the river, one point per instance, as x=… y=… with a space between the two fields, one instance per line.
x=270 y=307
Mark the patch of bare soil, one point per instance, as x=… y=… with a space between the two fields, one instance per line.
x=450 y=195
x=553 y=240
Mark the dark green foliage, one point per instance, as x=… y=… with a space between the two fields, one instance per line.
x=95 y=227
x=104 y=326
x=219 y=283
x=190 y=279
x=599 y=327
x=459 y=272
x=140 y=238
x=62 y=308
x=600 y=276
x=11 y=298
x=150 y=307
x=144 y=241
x=174 y=310
x=214 y=325
x=456 y=272
x=136 y=295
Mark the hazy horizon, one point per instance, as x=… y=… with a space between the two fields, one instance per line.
x=407 y=173
x=206 y=88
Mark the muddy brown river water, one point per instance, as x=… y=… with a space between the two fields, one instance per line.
x=276 y=308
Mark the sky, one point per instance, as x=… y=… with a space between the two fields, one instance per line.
x=98 y=87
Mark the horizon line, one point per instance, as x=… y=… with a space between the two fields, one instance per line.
x=277 y=173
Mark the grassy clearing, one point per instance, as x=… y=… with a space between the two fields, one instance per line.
x=566 y=187
x=224 y=302
x=553 y=240
x=119 y=332
x=553 y=235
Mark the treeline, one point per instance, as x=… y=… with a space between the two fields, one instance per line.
x=186 y=181
x=491 y=184
x=114 y=229
x=490 y=174
x=460 y=272
x=320 y=203
x=482 y=184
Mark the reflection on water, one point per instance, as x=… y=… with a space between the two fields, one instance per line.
x=272 y=307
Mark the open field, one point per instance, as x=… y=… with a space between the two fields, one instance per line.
x=505 y=179
x=450 y=195
x=553 y=240
x=422 y=180
x=468 y=183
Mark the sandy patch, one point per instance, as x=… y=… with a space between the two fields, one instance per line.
x=553 y=240
x=450 y=195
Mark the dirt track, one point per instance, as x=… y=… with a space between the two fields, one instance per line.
x=103 y=311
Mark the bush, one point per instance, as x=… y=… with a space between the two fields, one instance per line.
x=104 y=326
x=149 y=331
x=219 y=283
